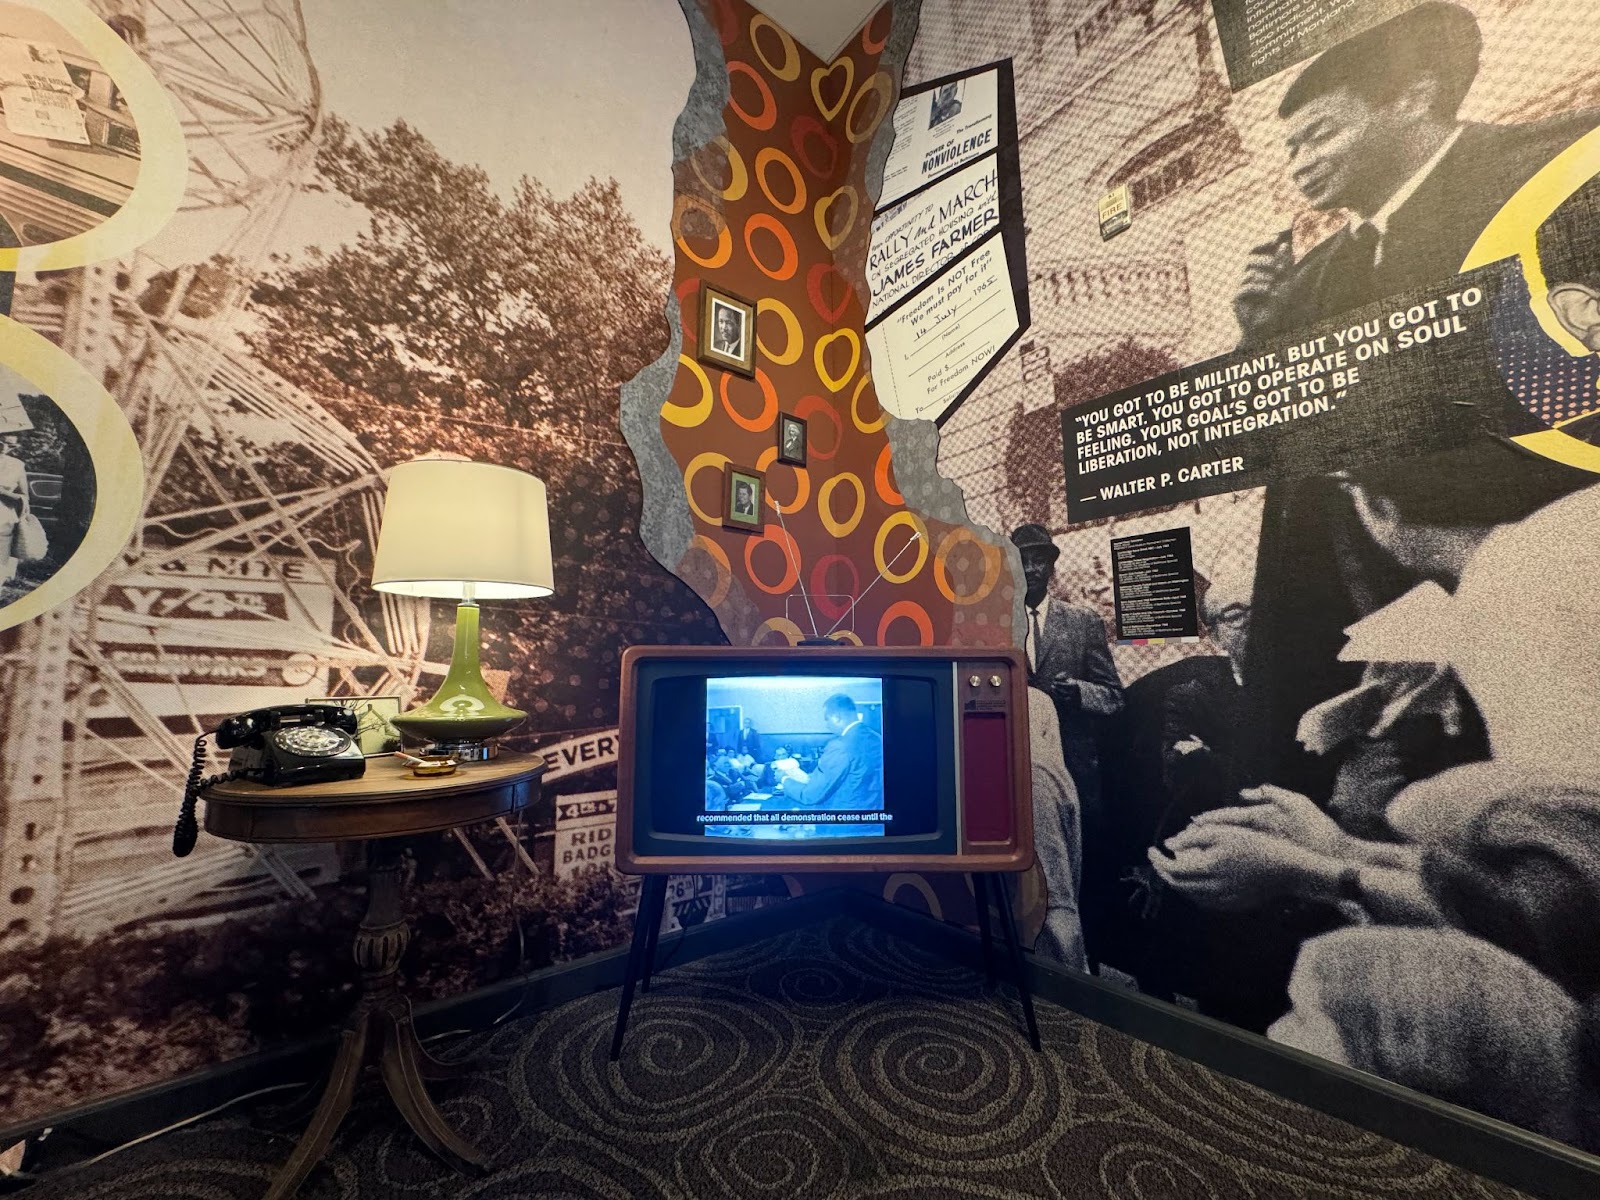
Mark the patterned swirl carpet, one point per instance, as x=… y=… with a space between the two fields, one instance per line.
x=835 y=1061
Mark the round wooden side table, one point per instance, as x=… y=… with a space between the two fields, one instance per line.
x=384 y=804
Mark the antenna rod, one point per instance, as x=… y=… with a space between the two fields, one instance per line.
x=915 y=538
x=788 y=547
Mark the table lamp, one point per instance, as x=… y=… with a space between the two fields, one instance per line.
x=463 y=531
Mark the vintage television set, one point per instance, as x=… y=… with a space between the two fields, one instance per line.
x=823 y=758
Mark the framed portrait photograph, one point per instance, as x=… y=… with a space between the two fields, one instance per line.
x=743 y=490
x=375 y=734
x=727 y=330
x=791 y=440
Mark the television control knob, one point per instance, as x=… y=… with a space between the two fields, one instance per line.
x=995 y=681
x=974 y=681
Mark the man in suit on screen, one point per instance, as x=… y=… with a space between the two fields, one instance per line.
x=1373 y=130
x=849 y=774
x=750 y=740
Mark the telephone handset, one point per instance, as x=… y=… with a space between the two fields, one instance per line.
x=303 y=743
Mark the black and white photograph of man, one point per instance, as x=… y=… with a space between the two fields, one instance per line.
x=822 y=753
x=47 y=493
x=742 y=494
x=727 y=330
x=1373 y=130
x=946 y=104
x=792 y=440
x=1069 y=659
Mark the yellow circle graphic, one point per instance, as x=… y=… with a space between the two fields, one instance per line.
x=821 y=74
x=819 y=353
x=163 y=155
x=802 y=482
x=719 y=558
x=831 y=523
x=687 y=416
x=765 y=157
x=118 y=466
x=855 y=409
x=794 y=341
x=700 y=462
x=681 y=207
x=790 y=70
x=880 y=85
x=992 y=563
x=894 y=521
x=738 y=177
x=1514 y=232
x=822 y=213
x=782 y=625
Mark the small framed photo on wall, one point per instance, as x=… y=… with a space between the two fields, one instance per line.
x=727 y=330
x=791 y=440
x=743 y=490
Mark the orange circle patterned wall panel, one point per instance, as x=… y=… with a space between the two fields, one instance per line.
x=774 y=212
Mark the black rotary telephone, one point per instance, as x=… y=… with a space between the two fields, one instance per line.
x=305 y=743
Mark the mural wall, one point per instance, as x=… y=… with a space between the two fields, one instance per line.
x=1344 y=339
x=257 y=254
x=263 y=252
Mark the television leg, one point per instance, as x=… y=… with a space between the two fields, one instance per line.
x=980 y=896
x=653 y=938
x=1008 y=923
x=652 y=898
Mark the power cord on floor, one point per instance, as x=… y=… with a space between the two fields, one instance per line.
x=189 y=1120
x=522 y=996
x=677 y=944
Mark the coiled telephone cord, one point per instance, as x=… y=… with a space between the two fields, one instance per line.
x=187 y=831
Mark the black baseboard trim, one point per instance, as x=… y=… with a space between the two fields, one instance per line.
x=89 y=1129
x=1482 y=1145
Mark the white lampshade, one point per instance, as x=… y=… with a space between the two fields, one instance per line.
x=449 y=523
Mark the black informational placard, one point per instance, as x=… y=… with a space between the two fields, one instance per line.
x=1153 y=585
x=1261 y=37
x=1411 y=375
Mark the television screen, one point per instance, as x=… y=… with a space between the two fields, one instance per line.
x=822 y=758
x=794 y=757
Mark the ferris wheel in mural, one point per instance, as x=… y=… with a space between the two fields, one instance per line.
x=235 y=592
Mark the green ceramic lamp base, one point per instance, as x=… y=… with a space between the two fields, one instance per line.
x=463 y=713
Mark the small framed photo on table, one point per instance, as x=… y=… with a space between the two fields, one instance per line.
x=791 y=440
x=727 y=330
x=743 y=490
x=375 y=736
